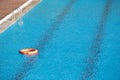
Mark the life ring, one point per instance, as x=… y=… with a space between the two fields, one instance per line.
x=29 y=51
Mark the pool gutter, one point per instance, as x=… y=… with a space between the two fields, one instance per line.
x=11 y=18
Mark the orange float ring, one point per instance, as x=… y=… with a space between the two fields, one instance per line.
x=29 y=51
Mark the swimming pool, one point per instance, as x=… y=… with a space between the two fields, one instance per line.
x=76 y=39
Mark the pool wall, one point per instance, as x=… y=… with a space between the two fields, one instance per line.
x=6 y=22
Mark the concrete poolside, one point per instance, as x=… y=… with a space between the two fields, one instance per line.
x=10 y=11
x=7 y=7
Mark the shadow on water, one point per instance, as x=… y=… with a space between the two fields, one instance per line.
x=29 y=63
x=92 y=59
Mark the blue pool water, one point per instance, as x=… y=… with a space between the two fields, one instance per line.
x=76 y=39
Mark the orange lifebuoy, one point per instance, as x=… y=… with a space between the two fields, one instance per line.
x=29 y=51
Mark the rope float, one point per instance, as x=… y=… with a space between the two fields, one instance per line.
x=29 y=51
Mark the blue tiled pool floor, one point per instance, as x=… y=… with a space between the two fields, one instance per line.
x=76 y=39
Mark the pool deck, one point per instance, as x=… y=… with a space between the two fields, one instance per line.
x=7 y=7
x=10 y=11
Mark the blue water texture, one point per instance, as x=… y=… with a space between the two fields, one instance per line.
x=76 y=39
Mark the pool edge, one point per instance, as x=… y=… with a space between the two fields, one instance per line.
x=15 y=15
